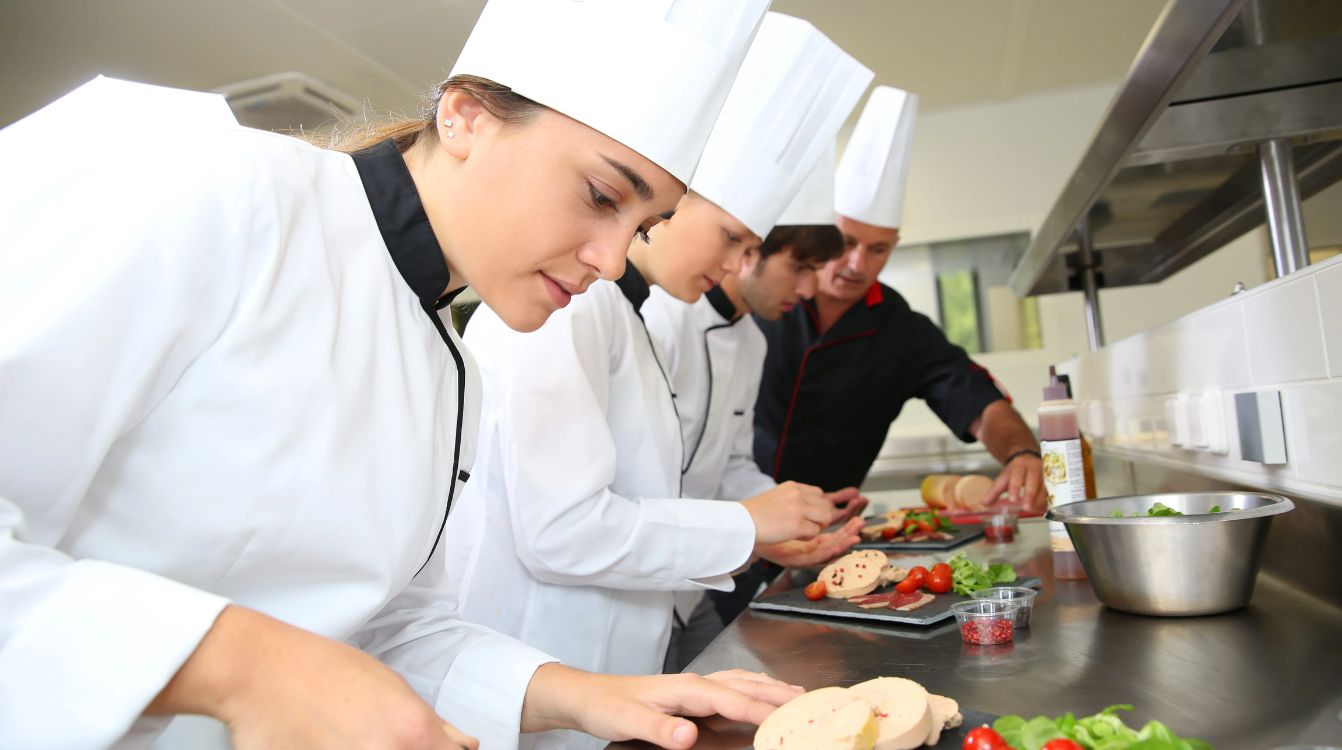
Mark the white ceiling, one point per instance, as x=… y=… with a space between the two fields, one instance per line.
x=387 y=52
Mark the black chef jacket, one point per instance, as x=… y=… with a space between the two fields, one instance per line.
x=826 y=402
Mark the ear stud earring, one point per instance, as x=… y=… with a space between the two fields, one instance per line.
x=448 y=124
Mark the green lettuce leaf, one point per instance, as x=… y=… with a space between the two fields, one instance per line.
x=1103 y=731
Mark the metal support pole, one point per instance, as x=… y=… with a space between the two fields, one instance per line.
x=1257 y=22
x=1090 y=287
x=1281 y=199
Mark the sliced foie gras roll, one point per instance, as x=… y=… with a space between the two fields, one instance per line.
x=854 y=574
x=893 y=573
x=945 y=715
x=893 y=519
x=830 y=718
x=903 y=712
x=971 y=492
x=938 y=490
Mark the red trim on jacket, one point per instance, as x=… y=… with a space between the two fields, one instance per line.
x=874 y=295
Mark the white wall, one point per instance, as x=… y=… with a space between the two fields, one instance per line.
x=1323 y=218
x=998 y=168
x=1140 y=394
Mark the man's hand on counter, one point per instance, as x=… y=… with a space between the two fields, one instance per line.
x=1022 y=481
x=1002 y=431
x=805 y=553
x=649 y=708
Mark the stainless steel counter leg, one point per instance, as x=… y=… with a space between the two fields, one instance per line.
x=1281 y=200
x=1090 y=287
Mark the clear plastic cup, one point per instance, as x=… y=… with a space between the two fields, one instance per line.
x=1000 y=527
x=1023 y=597
x=984 y=622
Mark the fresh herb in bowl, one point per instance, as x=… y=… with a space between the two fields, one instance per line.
x=1161 y=509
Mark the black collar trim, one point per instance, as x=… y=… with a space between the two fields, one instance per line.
x=404 y=225
x=634 y=287
x=721 y=303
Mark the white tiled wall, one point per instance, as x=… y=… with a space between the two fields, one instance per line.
x=1285 y=335
x=1328 y=284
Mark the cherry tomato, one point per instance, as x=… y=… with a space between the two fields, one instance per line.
x=943 y=567
x=889 y=532
x=918 y=573
x=908 y=585
x=984 y=738
x=938 y=581
x=1062 y=743
x=925 y=526
x=815 y=591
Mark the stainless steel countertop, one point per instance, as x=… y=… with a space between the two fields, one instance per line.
x=1266 y=676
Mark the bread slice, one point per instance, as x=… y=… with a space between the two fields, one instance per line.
x=938 y=490
x=903 y=711
x=971 y=492
x=854 y=574
x=945 y=715
x=830 y=718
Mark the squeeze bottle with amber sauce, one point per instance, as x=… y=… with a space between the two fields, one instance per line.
x=1064 y=472
x=1087 y=460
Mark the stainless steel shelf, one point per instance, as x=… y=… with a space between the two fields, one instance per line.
x=1173 y=172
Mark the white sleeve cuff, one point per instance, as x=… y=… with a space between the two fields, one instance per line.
x=99 y=647
x=483 y=692
x=718 y=539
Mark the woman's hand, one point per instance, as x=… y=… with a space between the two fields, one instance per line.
x=275 y=685
x=789 y=511
x=806 y=553
x=647 y=708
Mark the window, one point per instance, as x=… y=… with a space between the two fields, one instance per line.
x=962 y=286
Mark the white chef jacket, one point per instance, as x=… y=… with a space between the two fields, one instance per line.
x=714 y=360
x=223 y=378
x=581 y=536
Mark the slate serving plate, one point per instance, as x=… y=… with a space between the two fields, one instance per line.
x=794 y=601
x=965 y=533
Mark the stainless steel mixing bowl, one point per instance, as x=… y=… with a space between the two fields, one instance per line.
x=1200 y=563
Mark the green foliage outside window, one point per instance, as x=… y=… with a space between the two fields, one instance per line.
x=960 y=309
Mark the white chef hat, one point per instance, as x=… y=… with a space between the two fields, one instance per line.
x=794 y=90
x=652 y=74
x=870 y=182
x=126 y=106
x=814 y=202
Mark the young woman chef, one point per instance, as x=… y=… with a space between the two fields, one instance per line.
x=575 y=498
x=232 y=420
x=713 y=353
